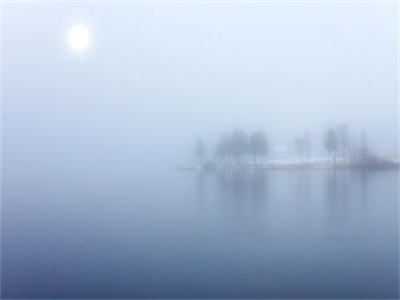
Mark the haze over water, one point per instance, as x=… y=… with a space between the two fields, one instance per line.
x=92 y=206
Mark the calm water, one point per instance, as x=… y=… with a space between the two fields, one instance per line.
x=169 y=234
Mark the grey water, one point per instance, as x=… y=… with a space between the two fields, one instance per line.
x=224 y=234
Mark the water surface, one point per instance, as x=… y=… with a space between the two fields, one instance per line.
x=169 y=234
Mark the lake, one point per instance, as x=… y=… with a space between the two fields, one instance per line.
x=193 y=234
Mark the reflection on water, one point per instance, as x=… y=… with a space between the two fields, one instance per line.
x=344 y=186
x=303 y=185
x=237 y=185
x=222 y=234
x=235 y=189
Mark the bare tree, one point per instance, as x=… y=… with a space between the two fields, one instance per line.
x=343 y=139
x=258 y=145
x=253 y=147
x=299 y=145
x=238 y=144
x=222 y=149
x=353 y=146
x=330 y=143
x=307 y=145
x=303 y=146
x=263 y=145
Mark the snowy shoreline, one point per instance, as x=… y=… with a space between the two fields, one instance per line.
x=294 y=164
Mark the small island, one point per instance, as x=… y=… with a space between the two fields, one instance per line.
x=342 y=150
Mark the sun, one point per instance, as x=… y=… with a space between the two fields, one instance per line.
x=78 y=37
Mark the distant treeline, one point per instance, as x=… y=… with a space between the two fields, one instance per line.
x=234 y=147
x=342 y=141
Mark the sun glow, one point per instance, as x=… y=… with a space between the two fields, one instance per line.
x=78 y=37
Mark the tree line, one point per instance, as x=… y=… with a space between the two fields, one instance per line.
x=235 y=146
x=338 y=141
x=343 y=141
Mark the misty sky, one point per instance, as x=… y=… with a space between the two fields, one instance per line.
x=157 y=76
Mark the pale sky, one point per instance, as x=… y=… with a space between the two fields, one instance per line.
x=156 y=76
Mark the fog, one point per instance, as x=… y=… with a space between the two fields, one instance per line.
x=92 y=204
x=157 y=76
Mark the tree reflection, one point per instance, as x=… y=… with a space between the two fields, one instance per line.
x=364 y=183
x=303 y=184
x=242 y=188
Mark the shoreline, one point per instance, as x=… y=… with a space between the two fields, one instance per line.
x=378 y=165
